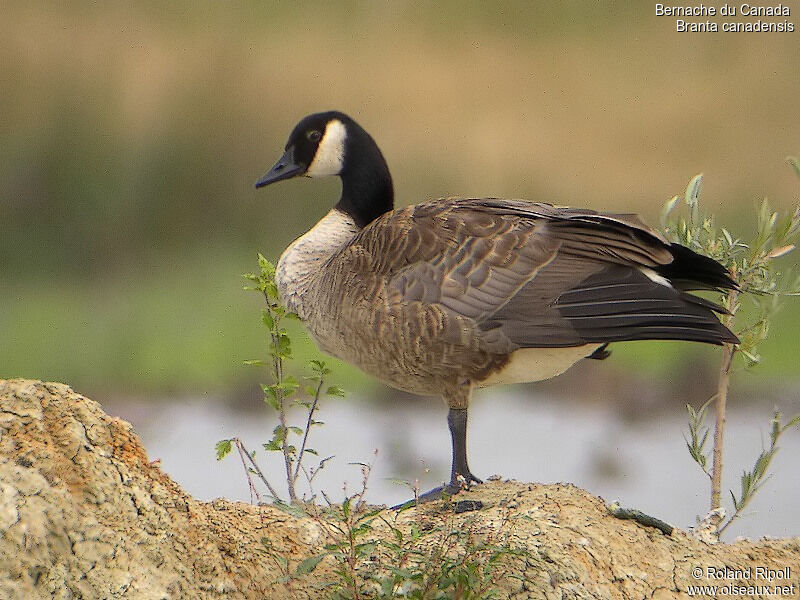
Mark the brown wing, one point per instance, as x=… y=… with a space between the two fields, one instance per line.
x=521 y=274
x=471 y=262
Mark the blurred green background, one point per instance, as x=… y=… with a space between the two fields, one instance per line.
x=131 y=135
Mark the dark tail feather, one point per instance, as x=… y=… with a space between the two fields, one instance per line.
x=692 y=271
x=707 y=333
x=619 y=304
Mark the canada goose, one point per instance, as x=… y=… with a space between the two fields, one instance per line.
x=446 y=295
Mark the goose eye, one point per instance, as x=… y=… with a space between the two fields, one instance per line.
x=314 y=135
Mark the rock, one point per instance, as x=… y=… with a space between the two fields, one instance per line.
x=84 y=514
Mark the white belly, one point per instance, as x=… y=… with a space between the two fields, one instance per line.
x=537 y=364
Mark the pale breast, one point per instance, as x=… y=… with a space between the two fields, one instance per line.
x=299 y=269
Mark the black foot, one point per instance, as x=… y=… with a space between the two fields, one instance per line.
x=457 y=423
x=437 y=493
x=601 y=353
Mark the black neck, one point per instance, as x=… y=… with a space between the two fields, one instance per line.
x=367 y=190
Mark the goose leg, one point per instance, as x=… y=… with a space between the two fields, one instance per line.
x=460 y=475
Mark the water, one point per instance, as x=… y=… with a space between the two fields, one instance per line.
x=513 y=433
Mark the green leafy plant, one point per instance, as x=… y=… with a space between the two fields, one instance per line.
x=752 y=480
x=444 y=559
x=752 y=265
x=432 y=557
x=285 y=391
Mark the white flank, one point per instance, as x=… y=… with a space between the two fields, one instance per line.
x=537 y=364
x=653 y=276
x=330 y=153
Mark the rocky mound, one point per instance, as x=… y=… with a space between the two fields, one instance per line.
x=84 y=514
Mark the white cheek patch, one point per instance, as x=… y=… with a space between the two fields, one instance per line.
x=330 y=152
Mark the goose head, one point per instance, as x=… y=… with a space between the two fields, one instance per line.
x=332 y=144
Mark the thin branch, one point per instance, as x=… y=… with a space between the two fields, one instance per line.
x=311 y=411
x=247 y=473
x=244 y=452
x=277 y=364
x=720 y=401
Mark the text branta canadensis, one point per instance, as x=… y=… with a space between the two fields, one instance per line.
x=446 y=295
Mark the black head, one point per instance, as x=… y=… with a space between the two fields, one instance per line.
x=331 y=143
x=322 y=134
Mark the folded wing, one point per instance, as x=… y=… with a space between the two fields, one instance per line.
x=526 y=275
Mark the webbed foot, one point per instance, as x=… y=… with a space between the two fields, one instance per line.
x=443 y=491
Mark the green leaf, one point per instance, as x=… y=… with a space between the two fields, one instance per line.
x=267 y=319
x=223 y=448
x=284 y=349
x=775 y=431
x=282 y=561
x=271 y=396
x=397 y=534
x=289 y=385
x=370 y=515
x=361 y=529
x=253 y=362
x=669 y=206
x=780 y=251
x=335 y=390
x=346 y=508
x=753 y=358
x=278 y=437
x=793 y=423
x=365 y=549
x=309 y=564
x=267 y=268
x=726 y=234
x=320 y=368
x=292 y=509
x=692 y=196
x=273 y=446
